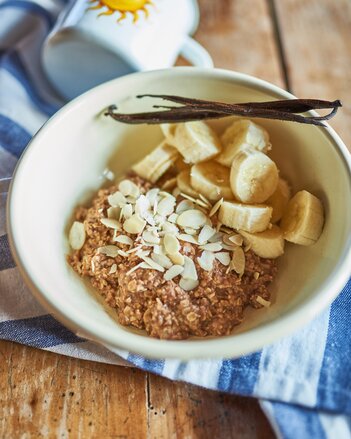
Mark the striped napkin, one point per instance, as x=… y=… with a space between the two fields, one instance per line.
x=303 y=382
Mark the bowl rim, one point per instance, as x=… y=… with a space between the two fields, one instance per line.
x=231 y=346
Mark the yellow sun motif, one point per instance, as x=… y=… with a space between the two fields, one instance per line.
x=123 y=7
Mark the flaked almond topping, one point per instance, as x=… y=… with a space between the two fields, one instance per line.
x=205 y=200
x=247 y=247
x=108 y=174
x=184 y=205
x=117 y=199
x=159 y=219
x=123 y=253
x=236 y=239
x=134 y=249
x=238 y=261
x=190 y=231
x=150 y=237
x=226 y=230
x=152 y=263
x=230 y=247
x=124 y=239
x=188 y=284
x=202 y=204
x=100 y=210
x=193 y=218
x=111 y=223
x=113 y=212
x=134 y=224
x=188 y=197
x=134 y=268
x=171 y=244
x=212 y=247
x=177 y=258
x=113 y=269
x=152 y=195
x=223 y=258
x=219 y=225
x=109 y=250
x=127 y=187
x=172 y=218
x=92 y=265
x=263 y=301
x=187 y=238
x=215 y=207
x=206 y=260
x=162 y=260
x=126 y=211
x=77 y=235
x=169 y=184
x=173 y=272
x=256 y=275
x=143 y=206
x=189 y=271
x=168 y=227
x=205 y=234
x=216 y=237
x=166 y=206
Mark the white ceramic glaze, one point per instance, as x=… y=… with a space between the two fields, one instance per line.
x=85 y=49
x=62 y=167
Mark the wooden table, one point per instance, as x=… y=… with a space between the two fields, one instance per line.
x=304 y=46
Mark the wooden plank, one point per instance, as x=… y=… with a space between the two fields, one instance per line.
x=316 y=39
x=180 y=410
x=239 y=36
x=52 y=396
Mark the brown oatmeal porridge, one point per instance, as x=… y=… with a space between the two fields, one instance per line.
x=144 y=299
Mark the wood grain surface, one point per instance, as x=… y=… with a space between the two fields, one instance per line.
x=304 y=46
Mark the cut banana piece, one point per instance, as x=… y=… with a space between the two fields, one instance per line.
x=212 y=180
x=253 y=176
x=155 y=164
x=196 y=141
x=303 y=220
x=242 y=134
x=184 y=184
x=267 y=244
x=250 y=218
x=279 y=200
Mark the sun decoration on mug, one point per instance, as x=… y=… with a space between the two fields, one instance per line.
x=123 y=7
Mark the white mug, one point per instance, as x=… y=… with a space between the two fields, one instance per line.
x=89 y=46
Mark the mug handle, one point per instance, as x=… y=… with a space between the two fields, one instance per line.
x=196 y=54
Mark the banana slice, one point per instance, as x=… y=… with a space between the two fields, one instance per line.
x=250 y=218
x=196 y=141
x=267 y=244
x=212 y=180
x=184 y=184
x=303 y=220
x=155 y=164
x=242 y=134
x=253 y=176
x=279 y=200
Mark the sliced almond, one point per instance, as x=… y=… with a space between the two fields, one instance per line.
x=172 y=218
x=113 y=212
x=150 y=237
x=187 y=238
x=212 y=247
x=238 y=260
x=113 y=269
x=193 y=218
x=152 y=263
x=256 y=275
x=184 y=205
x=126 y=211
x=215 y=207
x=165 y=207
x=263 y=301
x=170 y=228
x=77 y=235
x=177 y=258
x=173 y=272
x=134 y=268
x=123 y=253
x=171 y=244
x=188 y=284
x=109 y=250
x=190 y=231
x=206 y=260
x=151 y=195
x=117 y=199
x=127 y=187
x=124 y=239
x=205 y=200
x=111 y=223
x=108 y=174
x=216 y=237
x=223 y=258
x=236 y=239
x=176 y=192
x=143 y=206
x=189 y=269
x=134 y=224
x=162 y=260
x=205 y=234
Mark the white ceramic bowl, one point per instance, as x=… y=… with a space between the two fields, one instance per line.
x=62 y=167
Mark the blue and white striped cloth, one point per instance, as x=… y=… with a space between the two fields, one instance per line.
x=303 y=382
